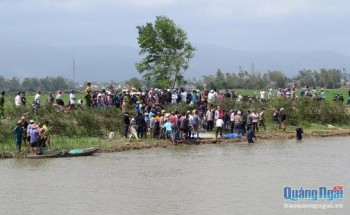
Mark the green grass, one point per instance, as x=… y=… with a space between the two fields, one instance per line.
x=57 y=142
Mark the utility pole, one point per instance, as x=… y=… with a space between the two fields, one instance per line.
x=74 y=70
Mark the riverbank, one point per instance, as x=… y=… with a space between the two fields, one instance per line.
x=120 y=144
x=144 y=144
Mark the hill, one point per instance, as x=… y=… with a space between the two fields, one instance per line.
x=117 y=62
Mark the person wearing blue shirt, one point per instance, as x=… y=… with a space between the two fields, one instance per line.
x=194 y=98
x=18 y=130
x=168 y=130
x=250 y=135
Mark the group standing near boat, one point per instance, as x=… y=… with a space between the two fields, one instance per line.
x=35 y=136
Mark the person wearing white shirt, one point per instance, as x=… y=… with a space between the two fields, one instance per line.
x=216 y=94
x=59 y=100
x=271 y=94
x=255 y=119
x=210 y=119
x=72 y=99
x=211 y=96
x=232 y=120
x=262 y=94
x=219 y=125
x=183 y=96
x=37 y=98
x=18 y=101
x=174 y=98
x=59 y=95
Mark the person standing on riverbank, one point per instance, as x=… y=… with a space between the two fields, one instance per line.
x=262 y=119
x=24 y=126
x=219 y=126
x=255 y=118
x=2 y=103
x=42 y=138
x=299 y=133
x=195 y=124
x=276 y=118
x=18 y=130
x=250 y=135
x=186 y=127
x=283 y=119
x=238 y=123
x=126 y=124
x=132 y=129
x=168 y=131
x=34 y=139
x=141 y=124
x=210 y=119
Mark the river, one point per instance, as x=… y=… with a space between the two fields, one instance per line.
x=234 y=178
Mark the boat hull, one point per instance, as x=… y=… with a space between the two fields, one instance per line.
x=62 y=154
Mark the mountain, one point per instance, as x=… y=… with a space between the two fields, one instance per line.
x=209 y=58
x=99 y=63
x=117 y=62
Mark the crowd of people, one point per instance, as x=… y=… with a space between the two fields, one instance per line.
x=153 y=121
x=36 y=136
x=132 y=98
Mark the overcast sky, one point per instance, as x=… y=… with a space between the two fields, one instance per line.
x=247 y=25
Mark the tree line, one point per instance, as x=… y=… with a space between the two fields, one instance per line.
x=326 y=78
x=48 y=84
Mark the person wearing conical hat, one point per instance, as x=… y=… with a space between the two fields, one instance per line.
x=34 y=139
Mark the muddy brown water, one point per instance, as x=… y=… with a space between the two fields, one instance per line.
x=234 y=178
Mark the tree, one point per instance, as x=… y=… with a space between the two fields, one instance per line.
x=13 y=84
x=231 y=80
x=167 y=52
x=278 y=78
x=220 y=79
x=306 y=78
x=134 y=82
x=209 y=82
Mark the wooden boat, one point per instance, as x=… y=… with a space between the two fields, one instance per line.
x=67 y=153
x=53 y=154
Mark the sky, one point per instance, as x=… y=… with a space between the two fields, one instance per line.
x=247 y=25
